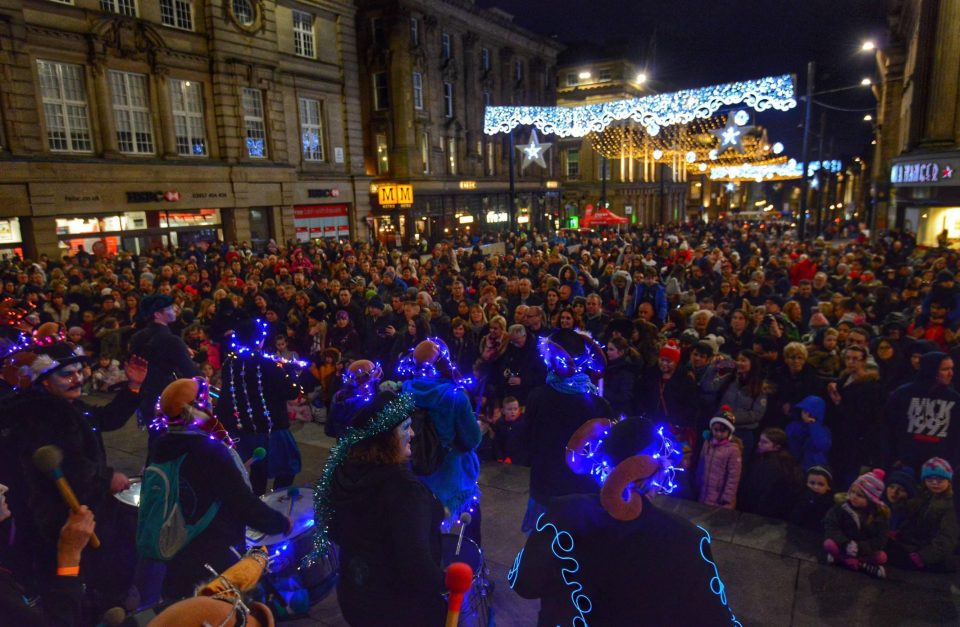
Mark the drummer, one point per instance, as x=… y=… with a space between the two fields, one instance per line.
x=385 y=521
x=212 y=482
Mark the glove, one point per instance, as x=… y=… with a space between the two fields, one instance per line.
x=917 y=560
x=852 y=548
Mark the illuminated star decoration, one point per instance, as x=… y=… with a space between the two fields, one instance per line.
x=731 y=135
x=533 y=151
x=947 y=172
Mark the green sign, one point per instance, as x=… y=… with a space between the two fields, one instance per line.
x=573 y=222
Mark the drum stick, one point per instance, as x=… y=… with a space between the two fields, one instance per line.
x=294 y=494
x=47 y=459
x=259 y=454
x=458 y=580
x=465 y=519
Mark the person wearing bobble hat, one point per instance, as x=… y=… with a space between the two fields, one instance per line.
x=856 y=530
x=611 y=557
x=928 y=537
x=721 y=461
x=663 y=394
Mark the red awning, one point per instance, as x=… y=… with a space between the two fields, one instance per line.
x=603 y=217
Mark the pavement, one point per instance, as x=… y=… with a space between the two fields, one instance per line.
x=771 y=570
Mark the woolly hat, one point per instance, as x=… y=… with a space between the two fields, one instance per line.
x=690 y=336
x=375 y=303
x=937 y=467
x=818 y=321
x=822 y=470
x=726 y=418
x=154 y=303
x=670 y=351
x=904 y=477
x=871 y=484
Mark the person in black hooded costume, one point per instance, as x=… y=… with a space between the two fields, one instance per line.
x=554 y=412
x=920 y=415
x=619 y=561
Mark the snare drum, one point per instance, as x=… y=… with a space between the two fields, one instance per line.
x=299 y=587
x=475 y=610
x=131 y=496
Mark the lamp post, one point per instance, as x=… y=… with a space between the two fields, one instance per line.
x=805 y=184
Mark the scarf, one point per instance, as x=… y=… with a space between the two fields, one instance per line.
x=579 y=383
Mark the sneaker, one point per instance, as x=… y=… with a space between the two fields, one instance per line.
x=873 y=570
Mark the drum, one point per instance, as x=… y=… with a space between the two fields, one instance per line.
x=131 y=496
x=298 y=588
x=475 y=609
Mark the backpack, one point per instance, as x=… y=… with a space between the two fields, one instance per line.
x=427 y=452
x=161 y=529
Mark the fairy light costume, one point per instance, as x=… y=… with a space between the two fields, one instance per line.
x=360 y=384
x=612 y=557
x=253 y=405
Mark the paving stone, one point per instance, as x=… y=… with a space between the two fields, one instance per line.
x=776 y=536
x=759 y=585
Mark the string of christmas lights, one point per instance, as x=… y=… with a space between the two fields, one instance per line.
x=651 y=112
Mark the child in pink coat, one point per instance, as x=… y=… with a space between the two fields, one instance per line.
x=718 y=474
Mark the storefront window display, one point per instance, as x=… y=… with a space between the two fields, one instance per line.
x=139 y=231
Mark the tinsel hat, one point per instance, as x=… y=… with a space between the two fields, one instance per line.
x=384 y=412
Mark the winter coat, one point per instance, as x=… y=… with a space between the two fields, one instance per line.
x=931 y=528
x=551 y=417
x=748 y=409
x=920 y=415
x=607 y=556
x=810 y=509
x=618 y=386
x=771 y=486
x=718 y=474
x=106 y=378
x=843 y=524
x=656 y=295
x=168 y=358
x=809 y=443
x=790 y=389
x=827 y=363
x=455 y=482
x=263 y=406
x=857 y=426
x=674 y=400
x=387 y=525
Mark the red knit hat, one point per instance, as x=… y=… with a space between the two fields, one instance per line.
x=670 y=351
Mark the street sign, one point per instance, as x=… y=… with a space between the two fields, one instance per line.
x=627 y=209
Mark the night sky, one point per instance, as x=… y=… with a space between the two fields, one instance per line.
x=691 y=43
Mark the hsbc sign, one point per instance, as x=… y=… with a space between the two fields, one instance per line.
x=143 y=197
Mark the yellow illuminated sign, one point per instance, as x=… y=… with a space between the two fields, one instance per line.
x=468 y=185
x=390 y=195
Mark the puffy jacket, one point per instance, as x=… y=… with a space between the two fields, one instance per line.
x=843 y=524
x=718 y=474
x=809 y=443
x=931 y=529
x=749 y=410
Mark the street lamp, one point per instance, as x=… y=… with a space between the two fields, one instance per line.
x=866 y=82
x=868 y=46
x=868 y=118
x=641 y=78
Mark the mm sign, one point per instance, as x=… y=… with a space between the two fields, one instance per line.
x=390 y=195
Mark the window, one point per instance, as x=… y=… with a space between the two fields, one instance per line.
x=486 y=99
x=445 y=50
x=244 y=12
x=383 y=156
x=414 y=32
x=131 y=111
x=448 y=99
x=573 y=164
x=120 y=7
x=572 y=80
x=254 y=125
x=177 y=13
x=65 y=107
x=605 y=75
x=452 y=154
x=381 y=94
x=311 y=129
x=303 y=34
x=485 y=59
x=377 y=32
x=425 y=152
x=518 y=70
x=188 y=125
x=491 y=161
x=418 y=91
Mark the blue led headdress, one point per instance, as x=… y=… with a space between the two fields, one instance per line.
x=652 y=112
x=421 y=362
x=363 y=377
x=559 y=361
x=622 y=484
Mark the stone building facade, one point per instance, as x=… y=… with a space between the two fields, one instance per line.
x=916 y=165
x=428 y=69
x=130 y=123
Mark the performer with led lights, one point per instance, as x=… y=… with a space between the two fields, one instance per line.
x=253 y=406
x=437 y=388
x=360 y=383
x=611 y=557
x=554 y=412
x=214 y=502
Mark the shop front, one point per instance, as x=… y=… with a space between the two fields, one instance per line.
x=925 y=196
x=138 y=231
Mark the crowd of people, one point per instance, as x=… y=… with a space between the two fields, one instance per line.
x=808 y=381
